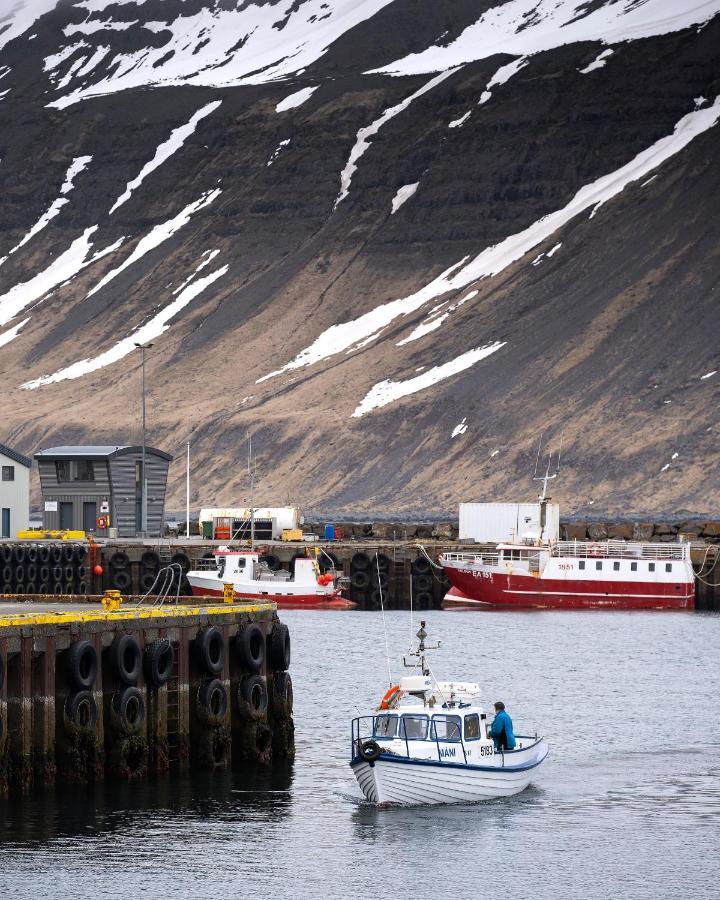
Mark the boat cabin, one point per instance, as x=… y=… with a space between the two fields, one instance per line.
x=247 y=565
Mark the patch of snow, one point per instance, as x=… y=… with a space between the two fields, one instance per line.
x=13 y=332
x=496 y=30
x=665 y=467
x=494 y=453
x=538 y=259
x=147 y=332
x=700 y=101
x=423 y=328
x=177 y=138
x=554 y=250
x=296 y=99
x=708 y=375
x=203 y=46
x=95 y=60
x=503 y=75
x=78 y=165
x=461 y=428
x=157 y=236
x=498 y=257
x=458 y=123
x=50 y=63
x=362 y=141
x=207 y=257
x=651 y=178
x=277 y=151
x=91 y=26
x=598 y=62
x=388 y=391
x=21 y=17
x=402 y=196
x=675 y=455
x=62 y=269
x=5 y=70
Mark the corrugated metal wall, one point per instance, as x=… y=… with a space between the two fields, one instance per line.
x=122 y=473
x=75 y=492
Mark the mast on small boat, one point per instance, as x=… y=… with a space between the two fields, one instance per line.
x=419 y=652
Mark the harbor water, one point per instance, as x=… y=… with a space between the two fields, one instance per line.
x=627 y=804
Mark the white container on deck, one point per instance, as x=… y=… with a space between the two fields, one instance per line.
x=492 y=523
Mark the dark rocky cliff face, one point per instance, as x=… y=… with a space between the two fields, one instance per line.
x=235 y=255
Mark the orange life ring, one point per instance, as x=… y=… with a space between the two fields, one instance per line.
x=101 y=522
x=389 y=696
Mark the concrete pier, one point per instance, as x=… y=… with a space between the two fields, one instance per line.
x=88 y=693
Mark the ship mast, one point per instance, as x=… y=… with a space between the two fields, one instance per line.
x=543 y=495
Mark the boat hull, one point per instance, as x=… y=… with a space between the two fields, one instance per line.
x=516 y=590
x=391 y=780
x=284 y=601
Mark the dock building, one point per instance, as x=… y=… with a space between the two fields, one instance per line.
x=14 y=491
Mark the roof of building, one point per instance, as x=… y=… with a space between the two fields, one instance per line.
x=97 y=451
x=14 y=455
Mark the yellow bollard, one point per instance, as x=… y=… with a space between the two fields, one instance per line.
x=112 y=600
x=228 y=593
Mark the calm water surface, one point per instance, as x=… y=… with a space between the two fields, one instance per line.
x=627 y=804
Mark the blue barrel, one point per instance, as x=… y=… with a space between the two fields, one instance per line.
x=329 y=532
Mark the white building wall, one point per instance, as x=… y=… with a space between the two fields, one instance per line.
x=488 y=523
x=15 y=496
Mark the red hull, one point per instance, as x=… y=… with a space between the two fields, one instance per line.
x=301 y=601
x=529 y=591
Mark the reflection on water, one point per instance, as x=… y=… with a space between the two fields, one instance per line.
x=627 y=804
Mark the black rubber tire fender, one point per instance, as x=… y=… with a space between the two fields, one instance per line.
x=55 y=551
x=212 y=702
x=359 y=562
x=82 y=588
x=250 y=648
x=282 y=695
x=422 y=583
x=380 y=561
x=67 y=553
x=7 y=588
x=19 y=574
x=147 y=581
x=119 y=560
x=327 y=561
x=82 y=663
x=121 y=579
x=31 y=587
x=56 y=573
x=150 y=561
x=423 y=600
x=79 y=554
x=6 y=554
x=125 y=658
x=253 y=697
x=420 y=566
x=81 y=572
x=43 y=554
x=18 y=555
x=375 y=599
x=68 y=573
x=44 y=573
x=360 y=580
x=31 y=553
x=158 y=662
x=31 y=572
x=182 y=560
x=128 y=710
x=80 y=711
x=43 y=587
x=2 y=671
x=7 y=573
x=370 y=750
x=211 y=648
x=382 y=580
x=58 y=589
x=280 y=647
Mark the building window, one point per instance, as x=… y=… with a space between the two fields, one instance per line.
x=84 y=470
x=62 y=470
x=633 y=567
x=651 y=567
x=8 y=473
x=616 y=566
x=5 y=523
x=668 y=567
x=598 y=565
x=581 y=564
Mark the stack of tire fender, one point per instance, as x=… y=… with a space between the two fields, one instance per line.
x=422 y=583
x=79 y=745
x=43 y=569
x=125 y=713
x=210 y=743
x=370 y=579
x=262 y=700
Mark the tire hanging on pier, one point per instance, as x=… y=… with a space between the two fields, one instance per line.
x=253 y=697
x=127 y=711
x=360 y=562
x=82 y=664
x=55 y=554
x=150 y=561
x=6 y=554
x=67 y=553
x=18 y=555
x=280 y=647
x=43 y=554
x=422 y=583
x=31 y=553
x=250 y=648
x=181 y=559
x=125 y=658
x=423 y=600
x=211 y=649
x=119 y=561
x=212 y=702
x=121 y=580
x=158 y=662
x=282 y=695
x=57 y=589
x=80 y=712
x=360 y=580
x=19 y=575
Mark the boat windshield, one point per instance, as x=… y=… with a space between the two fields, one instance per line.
x=414 y=728
x=445 y=728
x=221 y=566
x=385 y=726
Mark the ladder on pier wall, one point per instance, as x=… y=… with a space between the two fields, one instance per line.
x=173 y=708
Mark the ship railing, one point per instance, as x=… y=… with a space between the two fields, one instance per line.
x=479 y=559
x=365 y=728
x=619 y=550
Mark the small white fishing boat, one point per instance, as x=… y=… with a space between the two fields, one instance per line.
x=428 y=743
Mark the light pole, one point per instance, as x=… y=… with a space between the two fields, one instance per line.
x=143 y=478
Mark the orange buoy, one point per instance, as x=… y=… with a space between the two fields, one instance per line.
x=389 y=696
x=97 y=570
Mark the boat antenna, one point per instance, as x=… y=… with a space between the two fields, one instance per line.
x=543 y=495
x=411 y=609
x=251 y=472
x=382 y=610
x=419 y=653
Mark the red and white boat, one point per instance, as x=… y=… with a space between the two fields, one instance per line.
x=253 y=579
x=573 y=574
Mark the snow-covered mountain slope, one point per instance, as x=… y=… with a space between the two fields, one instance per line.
x=396 y=239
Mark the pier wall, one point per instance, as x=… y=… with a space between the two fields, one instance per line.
x=88 y=694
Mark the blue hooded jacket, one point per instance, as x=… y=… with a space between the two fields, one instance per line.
x=501 y=731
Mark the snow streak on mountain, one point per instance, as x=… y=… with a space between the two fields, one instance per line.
x=348 y=225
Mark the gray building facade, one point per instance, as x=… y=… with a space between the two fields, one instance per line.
x=81 y=485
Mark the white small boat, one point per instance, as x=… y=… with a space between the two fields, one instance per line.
x=428 y=743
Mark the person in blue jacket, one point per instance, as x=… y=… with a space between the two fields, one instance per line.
x=501 y=730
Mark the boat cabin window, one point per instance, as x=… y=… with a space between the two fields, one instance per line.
x=385 y=726
x=414 y=728
x=651 y=567
x=221 y=566
x=472 y=727
x=445 y=728
x=633 y=567
x=668 y=567
x=515 y=554
x=241 y=563
x=616 y=566
x=581 y=564
x=598 y=565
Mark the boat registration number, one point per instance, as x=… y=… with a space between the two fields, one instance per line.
x=565 y=566
x=487 y=750
x=482 y=575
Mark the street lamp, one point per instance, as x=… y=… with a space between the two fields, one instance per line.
x=143 y=478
